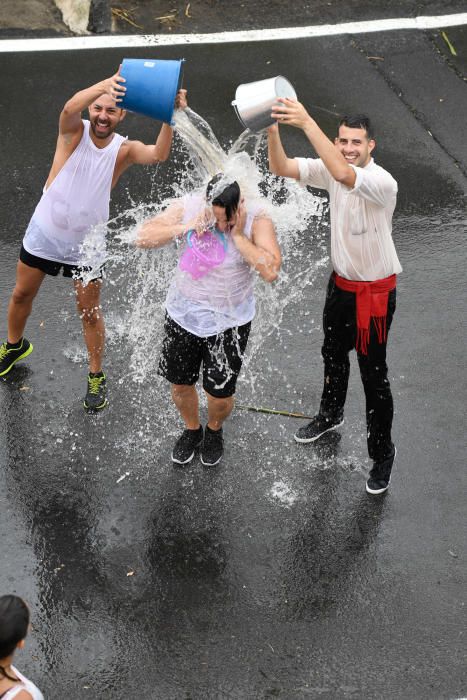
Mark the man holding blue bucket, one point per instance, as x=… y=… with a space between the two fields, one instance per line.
x=88 y=162
x=361 y=294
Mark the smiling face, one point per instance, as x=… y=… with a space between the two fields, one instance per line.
x=354 y=145
x=105 y=116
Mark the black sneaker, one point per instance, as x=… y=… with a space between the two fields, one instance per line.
x=213 y=447
x=380 y=476
x=185 y=447
x=315 y=428
x=8 y=356
x=96 y=399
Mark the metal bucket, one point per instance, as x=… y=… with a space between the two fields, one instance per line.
x=254 y=101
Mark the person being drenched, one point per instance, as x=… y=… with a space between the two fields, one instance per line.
x=226 y=242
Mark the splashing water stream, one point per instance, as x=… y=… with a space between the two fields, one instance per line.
x=137 y=280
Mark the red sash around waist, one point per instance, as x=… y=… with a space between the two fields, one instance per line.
x=372 y=305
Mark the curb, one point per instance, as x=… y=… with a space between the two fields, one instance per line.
x=86 y=16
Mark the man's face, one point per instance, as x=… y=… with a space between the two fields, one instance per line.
x=354 y=145
x=104 y=116
x=220 y=215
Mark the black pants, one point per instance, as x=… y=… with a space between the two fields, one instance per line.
x=340 y=332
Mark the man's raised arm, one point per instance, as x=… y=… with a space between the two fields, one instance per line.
x=279 y=163
x=163 y=228
x=293 y=113
x=143 y=154
x=261 y=252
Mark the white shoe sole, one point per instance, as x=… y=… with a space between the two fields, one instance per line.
x=190 y=458
x=210 y=464
x=376 y=492
x=187 y=461
x=313 y=439
x=95 y=409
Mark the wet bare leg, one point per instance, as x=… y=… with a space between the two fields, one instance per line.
x=28 y=282
x=185 y=398
x=218 y=410
x=90 y=312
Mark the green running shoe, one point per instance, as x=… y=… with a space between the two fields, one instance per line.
x=8 y=356
x=95 y=399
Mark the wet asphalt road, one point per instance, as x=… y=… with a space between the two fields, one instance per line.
x=274 y=575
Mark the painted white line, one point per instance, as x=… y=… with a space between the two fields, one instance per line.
x=135 y=41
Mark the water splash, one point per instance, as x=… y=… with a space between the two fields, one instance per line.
x=283 y=493
x=137 y=280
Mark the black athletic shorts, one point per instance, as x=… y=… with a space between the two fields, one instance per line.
x=50 y=267
x=221 y=356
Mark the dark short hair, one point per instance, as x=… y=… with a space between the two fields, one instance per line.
x=14 y=622
x=357 y=121
x=228 y=199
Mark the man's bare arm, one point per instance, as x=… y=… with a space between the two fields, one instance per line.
x=163 y=228
x=279 y=163
x=144 y=154
x=261 y=252
x=293 y=113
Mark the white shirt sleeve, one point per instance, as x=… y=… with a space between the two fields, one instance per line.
x=376 y=185
x=313 y=172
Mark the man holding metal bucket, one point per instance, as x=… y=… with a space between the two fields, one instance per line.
x=88 y=162
x=361 y=294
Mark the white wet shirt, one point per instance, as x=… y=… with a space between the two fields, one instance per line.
x=76 y=201
x=25 y=684
x=362 y=248
x=221 y=299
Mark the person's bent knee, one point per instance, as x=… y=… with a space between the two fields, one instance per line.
x=22 y=296
x=377 y=373
x=220 y=401
x=90 y=315
x=181 y=390
x=335 y=356
x=376 y=380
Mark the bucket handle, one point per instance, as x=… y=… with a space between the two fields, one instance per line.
x=188 y=237
x=219 y=235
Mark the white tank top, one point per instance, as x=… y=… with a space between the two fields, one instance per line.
x=76 y=201
x=223 y=298
x=25 y=684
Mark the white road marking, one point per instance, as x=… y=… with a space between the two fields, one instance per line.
x=138 y=41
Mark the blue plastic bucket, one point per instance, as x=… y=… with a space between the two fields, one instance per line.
x=151 y=86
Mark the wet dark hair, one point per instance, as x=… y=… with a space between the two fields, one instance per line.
x=14 y=622
x=357 y=121
x=228 y=199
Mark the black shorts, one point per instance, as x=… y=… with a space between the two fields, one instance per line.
x=50 y=267
x=221 y=356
